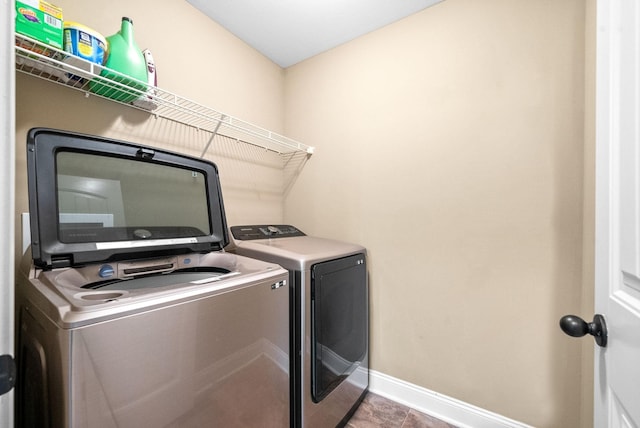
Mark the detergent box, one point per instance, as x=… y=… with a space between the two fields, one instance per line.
x=40 y=20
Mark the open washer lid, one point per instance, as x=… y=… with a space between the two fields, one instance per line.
x=93 y=199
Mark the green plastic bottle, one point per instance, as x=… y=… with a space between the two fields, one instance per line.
x=123 y=56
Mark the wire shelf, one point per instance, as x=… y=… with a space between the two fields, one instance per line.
x=46 y=62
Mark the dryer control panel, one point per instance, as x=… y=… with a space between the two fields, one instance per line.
x=264 y=231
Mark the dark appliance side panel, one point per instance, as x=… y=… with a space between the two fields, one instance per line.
x=295 y=347
x=340 y=322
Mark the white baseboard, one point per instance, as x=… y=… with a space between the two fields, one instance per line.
x=450 y=410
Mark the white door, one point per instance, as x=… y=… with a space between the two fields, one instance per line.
x=617 y=367
x=7 y=162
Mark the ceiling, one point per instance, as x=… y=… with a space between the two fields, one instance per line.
x=290 y=31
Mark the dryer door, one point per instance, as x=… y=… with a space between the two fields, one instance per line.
x=339 y=311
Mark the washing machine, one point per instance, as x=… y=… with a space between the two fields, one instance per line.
x=329 y=318
x=129 y=311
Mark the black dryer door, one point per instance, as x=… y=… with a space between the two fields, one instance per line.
x=339 y=331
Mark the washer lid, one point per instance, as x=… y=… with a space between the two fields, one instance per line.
x=94 y=199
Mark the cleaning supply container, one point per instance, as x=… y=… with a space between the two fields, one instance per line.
x=125 y=65
x=148 y=100
x=85 y=45
x=83 y=42
x=39 y=20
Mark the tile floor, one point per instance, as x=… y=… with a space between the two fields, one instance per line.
x=376 y=412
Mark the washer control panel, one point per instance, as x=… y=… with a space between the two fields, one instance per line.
x=264 y=231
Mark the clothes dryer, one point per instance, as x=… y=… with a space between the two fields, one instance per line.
x=329 y=318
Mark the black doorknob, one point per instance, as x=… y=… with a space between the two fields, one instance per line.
x=575 y=326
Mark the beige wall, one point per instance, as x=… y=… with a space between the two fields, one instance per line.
x=450 y=144
x=588 y=242
x=198 y=60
